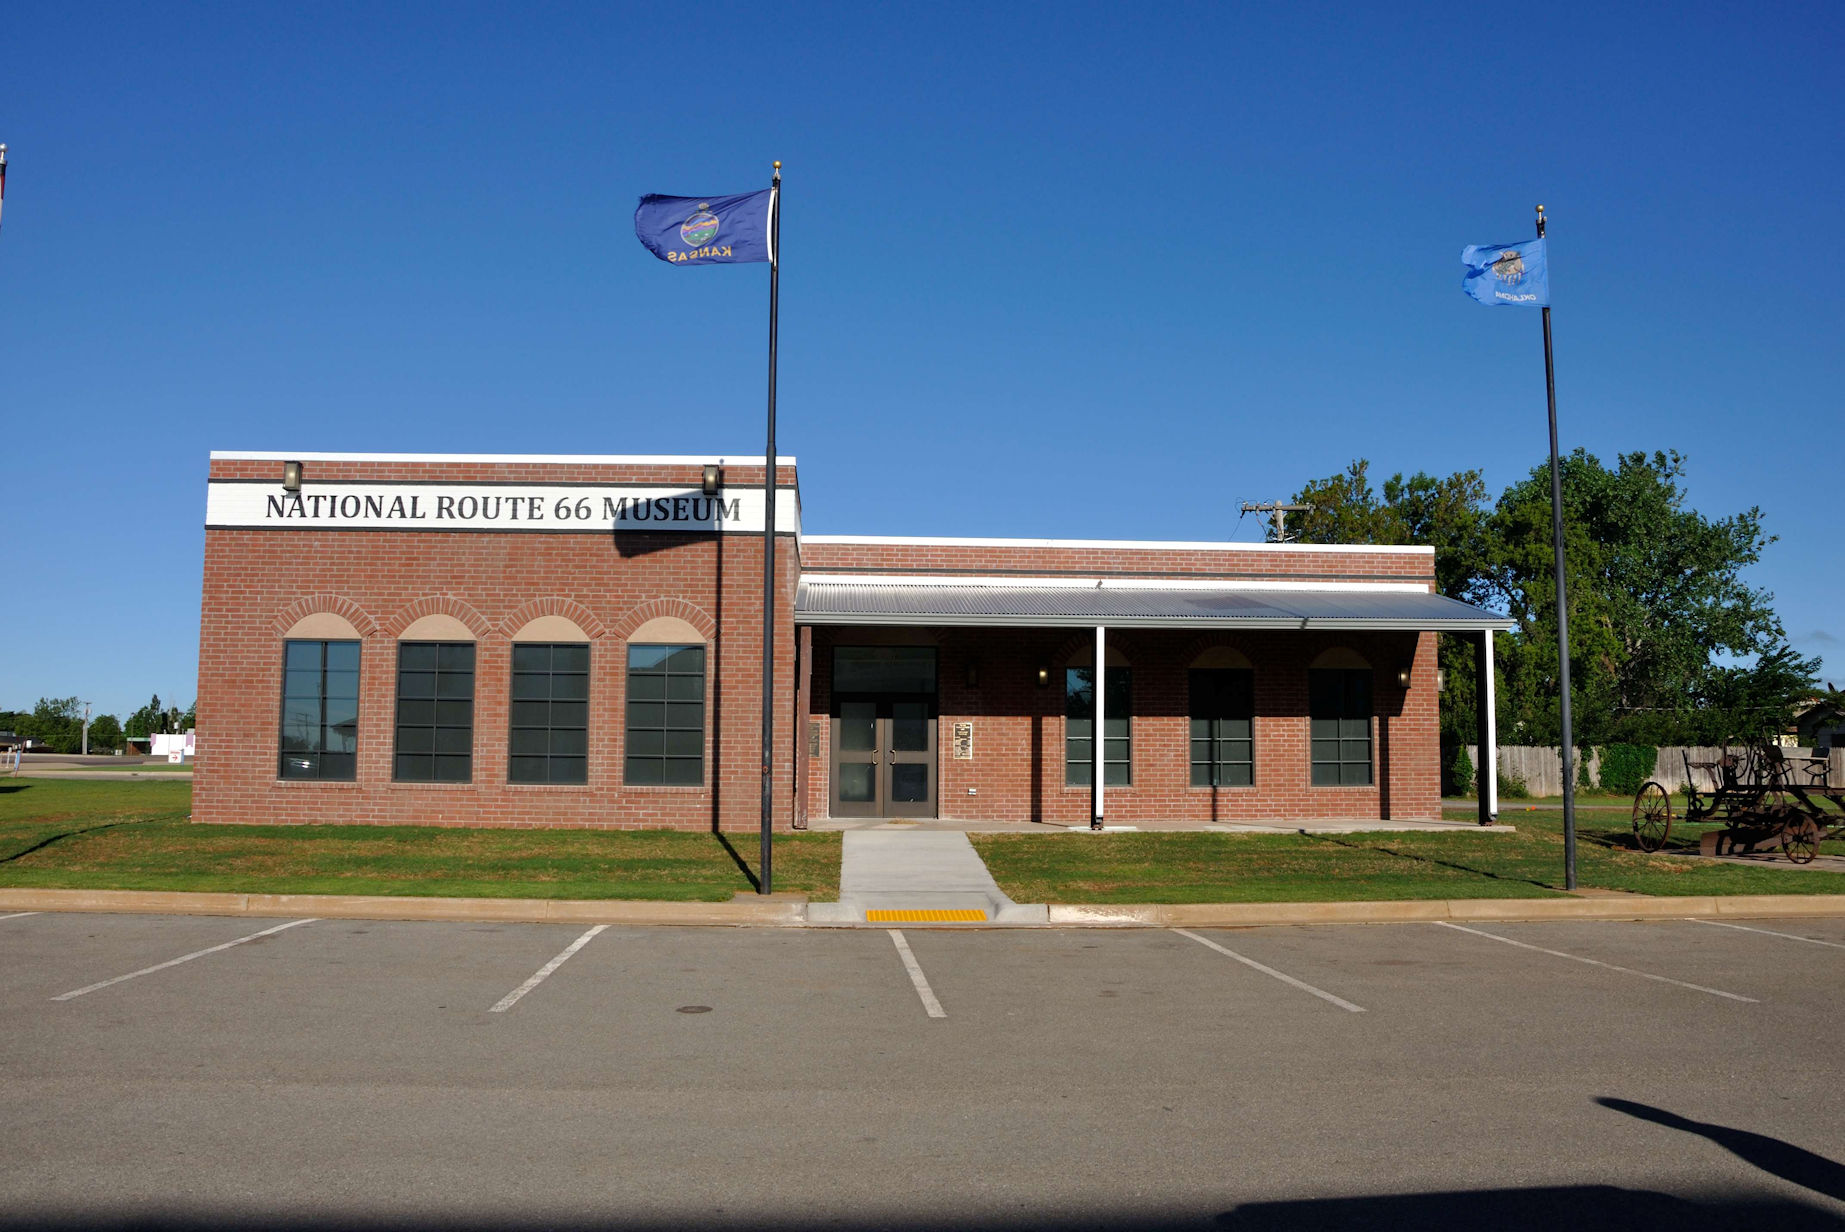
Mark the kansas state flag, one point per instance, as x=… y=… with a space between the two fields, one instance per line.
x=707 y=230
x=1516 y=274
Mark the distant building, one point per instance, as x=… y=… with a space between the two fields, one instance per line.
x=1821 y=726
x=174 y=746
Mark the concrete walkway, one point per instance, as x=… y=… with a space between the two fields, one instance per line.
x=868 y=825
x=918 y=876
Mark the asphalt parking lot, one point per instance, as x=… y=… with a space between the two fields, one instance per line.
x=198 y=1071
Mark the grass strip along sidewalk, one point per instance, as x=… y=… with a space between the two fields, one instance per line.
x=1376 y=866
x=133 y=835
x=88 y=835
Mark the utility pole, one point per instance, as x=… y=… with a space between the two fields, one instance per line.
x=86 y=729
x=1277 y=514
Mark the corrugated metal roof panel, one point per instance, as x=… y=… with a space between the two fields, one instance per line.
x=837 y=603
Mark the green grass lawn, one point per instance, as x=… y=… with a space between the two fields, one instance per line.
x=133 y=835
x=1235 y=868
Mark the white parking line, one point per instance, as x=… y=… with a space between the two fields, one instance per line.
x=183 y=958
x=512 y=998
x=930 y=1004
x=1596 y=962
x=1285 y=978
x=1766 y=932
x=18 y=915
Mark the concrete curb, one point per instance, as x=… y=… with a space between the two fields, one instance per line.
x=773 y=912
x=793 y=913
x=1459 y=910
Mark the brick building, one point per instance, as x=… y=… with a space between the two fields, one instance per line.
x=576 y=641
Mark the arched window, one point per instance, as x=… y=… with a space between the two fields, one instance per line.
x=665 y=741
x=319 y=736
x=549 y=736
x=1221 y=685
x=1339 y=718
x=1079 y=721
x=435 y=702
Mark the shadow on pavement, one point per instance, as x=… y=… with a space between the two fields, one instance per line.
x=1783 y=1159
x=1575 y=1208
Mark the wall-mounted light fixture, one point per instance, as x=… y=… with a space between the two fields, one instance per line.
x=973 y=673
x=291 y=476
x=1044 y=676
x=1403 y=677
x=1441 y=680
x=714 y=479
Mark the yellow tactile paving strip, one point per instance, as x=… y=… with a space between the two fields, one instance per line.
x=925 y=915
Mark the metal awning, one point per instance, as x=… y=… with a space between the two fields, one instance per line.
x=1134 y=605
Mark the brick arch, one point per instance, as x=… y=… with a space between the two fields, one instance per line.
x=553 y=605
x=664 y=606
x=1229 y=638
x=339 y=605
x=1127 y=647
x=436 y=605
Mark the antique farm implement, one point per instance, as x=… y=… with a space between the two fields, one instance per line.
x=1763 y=797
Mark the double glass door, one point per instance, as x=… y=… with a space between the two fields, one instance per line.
x=884 y=756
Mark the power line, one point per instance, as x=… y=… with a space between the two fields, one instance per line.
x=1277 y=514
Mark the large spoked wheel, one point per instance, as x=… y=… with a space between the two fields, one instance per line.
x=1652 y=817
x=1801 y=841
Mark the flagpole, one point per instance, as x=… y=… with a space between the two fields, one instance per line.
x=766 y=883
x=1563 y=617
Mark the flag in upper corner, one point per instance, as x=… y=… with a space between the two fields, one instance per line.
x=1515 y=274
x=708 y=230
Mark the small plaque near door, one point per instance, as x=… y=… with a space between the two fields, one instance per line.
x=964 y=742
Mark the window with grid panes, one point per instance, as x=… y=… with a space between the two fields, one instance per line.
x=435 y=712
x=320 y=710
x=550 y=713
x=1223 y=708
x=1339 y=714
x=666 y=716
x=1079 y=725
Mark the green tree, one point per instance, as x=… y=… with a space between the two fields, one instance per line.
x=149 y=720
x=105 y=733
x=1449 y=514
x=1668 y=643
x=57 y=722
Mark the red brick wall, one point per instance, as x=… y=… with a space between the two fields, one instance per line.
x=259 y=582
x=1246 y=562
x=1018 y=768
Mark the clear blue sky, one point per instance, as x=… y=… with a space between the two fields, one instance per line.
x=1094 y=271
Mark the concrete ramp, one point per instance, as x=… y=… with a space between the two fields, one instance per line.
x=909 y=877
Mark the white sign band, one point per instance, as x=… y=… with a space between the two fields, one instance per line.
x=580 y=508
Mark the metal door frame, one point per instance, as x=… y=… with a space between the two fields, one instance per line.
x=884 y=756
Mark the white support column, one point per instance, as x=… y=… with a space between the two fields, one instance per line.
x=1096 y=743
x=1489 y=756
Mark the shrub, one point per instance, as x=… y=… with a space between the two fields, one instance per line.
x=1460 y=772
x=1626 y=766
x=1513 y=787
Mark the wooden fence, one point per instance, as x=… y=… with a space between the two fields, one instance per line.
x=1541 y=767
